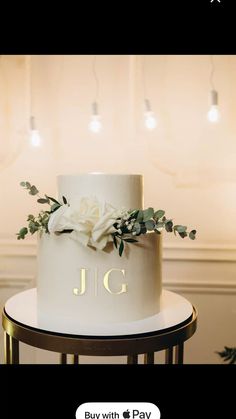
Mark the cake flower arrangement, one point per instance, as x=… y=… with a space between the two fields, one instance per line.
x=96 y=224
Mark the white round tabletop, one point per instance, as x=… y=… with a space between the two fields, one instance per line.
x=175 y=310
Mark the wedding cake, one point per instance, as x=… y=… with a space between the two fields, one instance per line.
x=89 y=282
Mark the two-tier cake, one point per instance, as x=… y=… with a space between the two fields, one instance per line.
x=88 y=285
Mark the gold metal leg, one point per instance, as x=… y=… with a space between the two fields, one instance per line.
x=132 y=359
x=179 y=354
x=149 y=358
x=14 y=351
x=169 y=356
x=6 y=348
x=63 y=358
x=76 y=359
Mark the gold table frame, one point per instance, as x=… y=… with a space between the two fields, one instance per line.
x=171 y=340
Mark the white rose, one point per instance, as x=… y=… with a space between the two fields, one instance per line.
x=102 y=230
x=91 y=222
x=57 y=221
x=83 y=215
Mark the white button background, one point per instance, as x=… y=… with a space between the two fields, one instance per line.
x=118 y=410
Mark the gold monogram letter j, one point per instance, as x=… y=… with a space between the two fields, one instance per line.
x=81 y=291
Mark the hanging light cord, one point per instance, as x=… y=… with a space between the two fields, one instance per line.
x=95 y=78
x=147 y=103
x=31 y=116
x=31 y=87
x=95 y=123
x=144 y=77
x=212 y=72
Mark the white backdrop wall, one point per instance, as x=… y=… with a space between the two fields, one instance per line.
x=188 y=166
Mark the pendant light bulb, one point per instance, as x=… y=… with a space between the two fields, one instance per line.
x=149 y=116
x=35 y=139
x=95 y=124
x=213 y=114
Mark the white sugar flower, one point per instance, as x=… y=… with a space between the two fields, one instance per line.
x=91 y=221
x=57 y=220
x=102 y=230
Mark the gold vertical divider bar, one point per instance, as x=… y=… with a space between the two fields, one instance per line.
x=96 y=282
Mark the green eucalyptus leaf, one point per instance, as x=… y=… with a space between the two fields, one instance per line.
x=180 y=228
x=28 y=185
x=147 y=214
x=44 y=222
x=64 y=200
x=143 y=229
x=48 y=200
x=33 y=227
x=169 y=226
x=140 y=216
x=53 y=199
x=22 y=184
x=158 y=214
x=133 y=214
x=160 y=224
x=131 y=240
x=30 y=217
x=115 y=241
x=54 y=207
x=42 y=201
x=192 y=235
x=229 y=354
x=183 y=234
x=121 y=248
x=23 y=230
x=137 y=228
x=22 y=233
x=33 y=190
x=150 y=224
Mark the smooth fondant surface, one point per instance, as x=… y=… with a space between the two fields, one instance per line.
x=118 y=190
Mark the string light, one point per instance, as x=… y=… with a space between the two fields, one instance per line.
x=213 y=114
x=149 y=116
x=35 y=138
x=150 y=120
x=95 y=124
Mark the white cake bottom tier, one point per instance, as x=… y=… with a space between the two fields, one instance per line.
x=79 y=282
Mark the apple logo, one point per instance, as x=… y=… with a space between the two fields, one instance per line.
x=126 y=414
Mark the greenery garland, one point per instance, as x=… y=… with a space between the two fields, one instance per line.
x=132 y=224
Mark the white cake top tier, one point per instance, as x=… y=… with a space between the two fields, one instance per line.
x=119 y=190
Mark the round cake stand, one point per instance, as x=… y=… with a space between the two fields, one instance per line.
x=168 y=330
